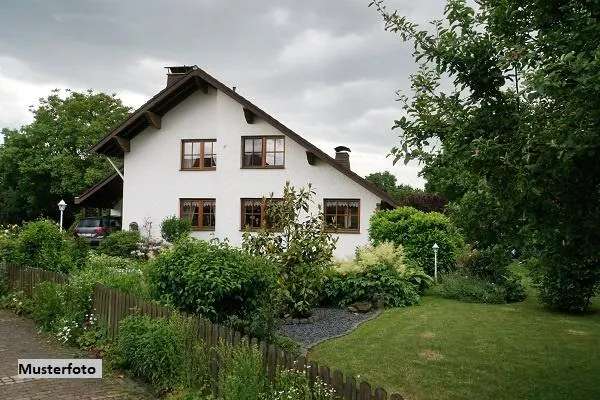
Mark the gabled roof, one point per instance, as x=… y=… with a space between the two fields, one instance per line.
x=149 y=115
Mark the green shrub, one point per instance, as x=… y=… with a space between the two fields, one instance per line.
x=47 y=304
x=214 y=280
x=377 y=275
x=40 y=244
x=153 y=349
x=492 y=265
x=382 y=285
x=120 y=244
x=174 y=228
x=567 y=286
x=9 y=248
x=417 y=231
x=465 y=287
x=241 y=374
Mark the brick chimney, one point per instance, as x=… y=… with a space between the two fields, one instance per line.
x=342 y=156
x=177 y=72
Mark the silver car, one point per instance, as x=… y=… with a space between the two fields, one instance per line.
x=95 y=229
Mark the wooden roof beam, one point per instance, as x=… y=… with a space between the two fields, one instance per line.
x=123 y=144
x=311 y=158
x=153 y=119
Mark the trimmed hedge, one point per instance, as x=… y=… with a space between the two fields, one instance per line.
x=417 y=231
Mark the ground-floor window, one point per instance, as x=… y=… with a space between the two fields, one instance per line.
x=200 y=212
x=342 y=215
x=254 y=213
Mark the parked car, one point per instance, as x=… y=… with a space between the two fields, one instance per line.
x=95 y=229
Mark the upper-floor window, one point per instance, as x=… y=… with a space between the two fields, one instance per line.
x=198 y=154
x=255 y=215
x=342 y=215
x=263 y=152
x=200 y=212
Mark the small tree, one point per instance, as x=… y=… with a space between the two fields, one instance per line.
x=295 y=239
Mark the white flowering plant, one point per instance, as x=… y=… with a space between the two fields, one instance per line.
x=149 y=247
x=293 y=384
x=9 y=230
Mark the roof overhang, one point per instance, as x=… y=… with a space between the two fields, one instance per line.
x=102 y=195
x=149 y=114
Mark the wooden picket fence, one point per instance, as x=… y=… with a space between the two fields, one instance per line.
x=112 y=306
x=25 y=279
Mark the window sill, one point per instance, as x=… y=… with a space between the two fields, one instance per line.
x=259 y=230
x=270 y=167
x=198 y=169
x=196 y=229
x=336 y=231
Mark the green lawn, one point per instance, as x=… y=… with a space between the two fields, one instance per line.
x=445 y=349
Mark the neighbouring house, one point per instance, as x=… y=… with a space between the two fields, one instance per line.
x=201 y=151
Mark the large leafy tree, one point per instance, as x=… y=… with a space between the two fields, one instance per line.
x=49 y=159
x=505 y=115
x=388 y=182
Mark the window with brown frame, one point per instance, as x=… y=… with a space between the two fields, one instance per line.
x=200 y=212
x=263 y=152
x=254 y=213
x=198 y=154
x=342 y=215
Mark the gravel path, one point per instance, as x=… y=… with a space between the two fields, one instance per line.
x=329 y=323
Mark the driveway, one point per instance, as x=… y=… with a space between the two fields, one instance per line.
x=19 y=339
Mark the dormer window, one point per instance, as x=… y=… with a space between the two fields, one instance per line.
x=263 y=152
x=198 y=154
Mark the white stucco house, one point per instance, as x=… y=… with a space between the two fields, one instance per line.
x=199 y=150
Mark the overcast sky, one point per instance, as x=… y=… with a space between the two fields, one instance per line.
x=325 y=68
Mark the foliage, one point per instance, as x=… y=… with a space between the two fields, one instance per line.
x=16 y=301
x=426 y=202
x=120 y=243
x=377 y=275
x=50 y=158
x=40 y=244
x=94 y=336
x=297 y=242
x=406 y=195
x=492 y=265
x=241 y=373
x=113 y=272
x=417 y=232
x=47 y=304
x=214 y=279
x=152 y=349
x=566 y=284
x=294 y=384
x=518 y=128
x=174 y=228
x=460 y=286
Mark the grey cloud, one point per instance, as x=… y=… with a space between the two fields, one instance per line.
x=326 y=68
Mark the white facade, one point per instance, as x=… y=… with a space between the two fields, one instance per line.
x=154 y=181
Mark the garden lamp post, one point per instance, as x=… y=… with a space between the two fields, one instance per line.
x=61 y=206
x=435 y=248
